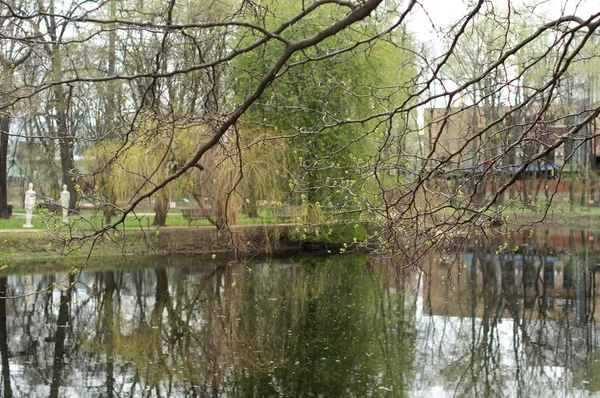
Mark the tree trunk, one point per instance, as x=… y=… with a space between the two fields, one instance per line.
x=161 y=208
x=66 y=143
x=571 y=194
x=4 y=128
x=112 y=89
x=67 y=162
x=109 y=211
x=216 y=221
x=109 y=130
x=7 y=72
x=65 y=140
x=251 y=208
x=583 y=189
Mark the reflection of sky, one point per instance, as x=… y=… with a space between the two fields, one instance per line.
x=444 y=343
x=536 y=360
x=85 y=370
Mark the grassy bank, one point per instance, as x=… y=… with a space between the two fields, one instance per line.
x=582 y=217
x=259 y=235
x=25 y=245
x=89 y=220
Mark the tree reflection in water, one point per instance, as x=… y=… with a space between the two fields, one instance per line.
x=519 y=323
x=7 y=388
x=310 y=326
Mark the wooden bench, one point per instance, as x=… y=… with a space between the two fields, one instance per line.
x=192 y=215
x=52 y=207
x=285 y=212
x=339 y=210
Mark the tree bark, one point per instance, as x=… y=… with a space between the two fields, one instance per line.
x=66 y=141
x=161 y=208
x=4 y=129
x=67 y=162
x=8 y=71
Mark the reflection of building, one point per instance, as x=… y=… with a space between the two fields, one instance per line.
x=522 y=324
x=516 y=285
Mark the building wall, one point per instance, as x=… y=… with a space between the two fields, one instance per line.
x=446 y=131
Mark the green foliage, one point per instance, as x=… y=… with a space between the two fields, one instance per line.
x=314 y=226
x=325 y=158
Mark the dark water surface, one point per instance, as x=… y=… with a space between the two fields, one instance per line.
x=518 y=324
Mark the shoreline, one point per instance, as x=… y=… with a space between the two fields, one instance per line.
x=39 y=244
x=36 y=244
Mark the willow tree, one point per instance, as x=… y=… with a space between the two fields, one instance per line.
x=144 y=161
x=345 y=77
x=232 y=174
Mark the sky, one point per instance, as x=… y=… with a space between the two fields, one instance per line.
x=430 y=18
x=446 y=12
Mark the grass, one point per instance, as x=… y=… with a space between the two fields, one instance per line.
x=90 y=220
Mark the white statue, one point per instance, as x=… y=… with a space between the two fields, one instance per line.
x=29 y=205
x=65 y=198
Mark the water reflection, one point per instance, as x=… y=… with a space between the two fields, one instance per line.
x=520 y=323
x=307 y=327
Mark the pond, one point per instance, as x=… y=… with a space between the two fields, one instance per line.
x=517 y=323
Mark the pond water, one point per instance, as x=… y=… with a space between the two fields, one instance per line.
x=518 y=324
